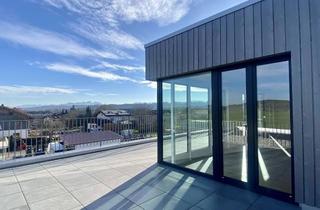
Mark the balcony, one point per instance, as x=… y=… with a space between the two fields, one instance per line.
x=124 y=178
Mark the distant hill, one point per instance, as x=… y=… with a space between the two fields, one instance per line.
x=84 y=105
x=151 y=106
x=59 y=107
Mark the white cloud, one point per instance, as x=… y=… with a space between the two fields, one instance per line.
x=112 y=11
x=162 y=11
x=149 y=84
x=121 y=67
x=87 y=72
x=21 y=89
x=103 y=34
x=95 y=94
x=72 y=69
x=50 y=42
x=100 y=20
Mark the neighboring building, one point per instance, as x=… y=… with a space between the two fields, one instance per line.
x=91 y=139
x=251 y=76
x=13 y=122
x=114 y=116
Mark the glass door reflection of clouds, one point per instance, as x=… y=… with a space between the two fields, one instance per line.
x=253 y=139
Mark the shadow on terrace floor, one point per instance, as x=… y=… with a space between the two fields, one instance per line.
x=162 y=187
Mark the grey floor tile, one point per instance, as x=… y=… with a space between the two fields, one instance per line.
x=44 y=193
x=190 y=193
x=116 y=181
x=266 y=203
x=62 y=202
x=165 y=183
x=112 y=200
x=195 y=208
x=79 y=183
x=91 y=193
x=217 y=202
x=181 y=189
x=140 y=192
x=13 y=201
x=37 y=184
x=9 y=188
x=237 y=194
x=165 y=201
x=137 y=208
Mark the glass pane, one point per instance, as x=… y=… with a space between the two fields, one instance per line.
x=274 y=133
x=234 y=124
x=180 y=115
x=167 y=131
x=200 y=124
x=199 y=118
x=187 y=122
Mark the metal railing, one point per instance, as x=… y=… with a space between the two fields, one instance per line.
x=25 y=138
x=279 y=137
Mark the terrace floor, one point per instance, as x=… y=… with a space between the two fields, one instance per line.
x=126 y=178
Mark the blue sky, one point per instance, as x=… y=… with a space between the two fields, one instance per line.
x=61 y=51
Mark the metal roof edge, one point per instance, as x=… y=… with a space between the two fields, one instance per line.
x=206 y=20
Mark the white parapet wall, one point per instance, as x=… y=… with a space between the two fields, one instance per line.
x=72 y=153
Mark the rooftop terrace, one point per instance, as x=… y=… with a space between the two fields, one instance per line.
x=125 y=178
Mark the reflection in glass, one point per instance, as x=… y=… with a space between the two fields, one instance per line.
x=234 y=124
x=274 y=133
x=167 y=121
x=180 y=119
x=187 y=122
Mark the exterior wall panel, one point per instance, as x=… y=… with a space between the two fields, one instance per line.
x=216 y=43
x=230 y=38
x=185 y=51
x=196 y=48
x=223 y=38
x=293 y=45
x=158 y=61
x=190 y=50
x=307 y=111
x=249 y=32
x=167 y=56
x=257 y=30
x=267 y=28
x=239 y=35
x=171 y=55
x=179 y=54
x=147 y=62
x=202 y=46
x=208 y=44
x=264 y=28
x=279 y=26
x=315 y=38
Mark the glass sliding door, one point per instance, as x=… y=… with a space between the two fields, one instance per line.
x=253 y=119
x=187 y=138
x=274 y=126
x=234 y=124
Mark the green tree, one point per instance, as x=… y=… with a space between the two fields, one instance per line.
x=88 y=112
